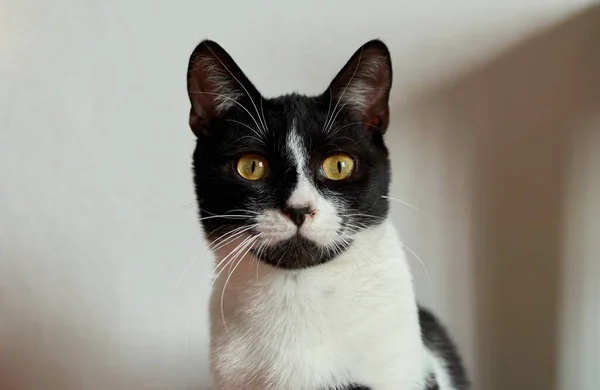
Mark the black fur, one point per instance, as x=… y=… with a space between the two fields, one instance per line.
x=436 y=339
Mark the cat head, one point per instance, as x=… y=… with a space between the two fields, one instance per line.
x=290 y=179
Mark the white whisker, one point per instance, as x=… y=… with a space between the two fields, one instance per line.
x=223 y=263
x=334 y=114
x=328 y=110
x=226 y=216
x=240 y=83
x=226 y=234
x=186 y=269
x=188 y=206
x=406 y=204
x=263 y=114
x=332 y=133
x=259 y=253
x=233 y=237
x=241 y=258
x=248 y=127
x=228 y=98
x=422 y=264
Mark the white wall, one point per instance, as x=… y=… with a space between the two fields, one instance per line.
x=97 y=223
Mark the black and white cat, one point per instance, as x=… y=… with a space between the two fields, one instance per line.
x=313 y=290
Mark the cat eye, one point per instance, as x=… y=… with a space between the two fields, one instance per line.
x=338 y=166
x=252 y=167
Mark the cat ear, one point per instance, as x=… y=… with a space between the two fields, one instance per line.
x=363 y=85
x=215 y=85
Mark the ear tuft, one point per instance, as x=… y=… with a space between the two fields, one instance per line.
x=363 y=85
x=215 y=85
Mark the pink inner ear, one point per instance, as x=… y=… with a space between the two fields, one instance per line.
x=375 y=120
x=363 y=87
x=213 y=86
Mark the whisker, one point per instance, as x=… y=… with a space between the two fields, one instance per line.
x=263 y=114
x=338 y=129
x=328 y=109
x=422 y=264
x=248 y=127
x=406 y=204
x=233 y=237
x=188 y=206
x=241 y=258
x=231 y=216
x=229 y=211
x=230 y=99
x=223 y=262
x=260 y=141
x=244 y=211
x=186 y=269
x=264 y=246
x=364 y=215
x=224 y=234
x=239 y=82
x=227 y=237
x=342 y=95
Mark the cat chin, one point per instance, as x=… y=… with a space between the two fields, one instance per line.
x=299 y=252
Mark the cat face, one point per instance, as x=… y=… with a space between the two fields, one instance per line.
x=290 y=179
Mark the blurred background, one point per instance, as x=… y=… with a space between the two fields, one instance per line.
x=495 y=136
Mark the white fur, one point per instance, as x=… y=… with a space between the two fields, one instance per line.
x=361 y=88
x=441 y=373
x=351 y=320
x=225 y=93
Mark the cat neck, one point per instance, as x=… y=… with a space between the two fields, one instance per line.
x=375 y=258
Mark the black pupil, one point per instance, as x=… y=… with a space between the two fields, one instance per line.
x=253 y=165
x=339 y=166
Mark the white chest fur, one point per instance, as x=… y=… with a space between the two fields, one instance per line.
x=351 y=320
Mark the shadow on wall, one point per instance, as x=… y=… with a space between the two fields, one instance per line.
x=513 y=120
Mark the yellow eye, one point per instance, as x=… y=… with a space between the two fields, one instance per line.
x=338 y=166
x=252 y=167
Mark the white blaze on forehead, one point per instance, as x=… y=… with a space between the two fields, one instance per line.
x=305 y=194
x=323 y=225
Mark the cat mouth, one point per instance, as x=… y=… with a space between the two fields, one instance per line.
x=298 y=252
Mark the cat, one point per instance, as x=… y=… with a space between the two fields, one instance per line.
x=312 y=288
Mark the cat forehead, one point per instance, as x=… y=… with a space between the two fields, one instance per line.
x=308 y=117
x=277 y=118
x=274 y=125
x=298 y=110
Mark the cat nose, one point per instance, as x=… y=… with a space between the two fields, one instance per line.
x=298 y=214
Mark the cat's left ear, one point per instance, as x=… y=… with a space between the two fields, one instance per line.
x=363 y=85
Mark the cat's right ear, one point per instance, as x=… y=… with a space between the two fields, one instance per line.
x=215 y=85
x=363 y=85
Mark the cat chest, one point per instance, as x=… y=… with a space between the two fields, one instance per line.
x=308 y=340
x=294 y=350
